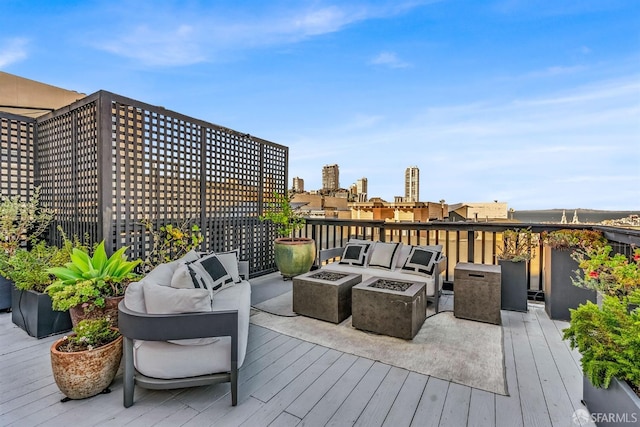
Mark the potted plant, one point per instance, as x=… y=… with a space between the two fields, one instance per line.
x=559 y=292
x=92 y=286
x=85 y=362
x=293 y=255
x=608 y=337
x=513 y=258
x=20 y=222
x=608 y=334
x=31 y=307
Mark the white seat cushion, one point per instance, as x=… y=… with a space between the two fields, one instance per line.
x=160 y=359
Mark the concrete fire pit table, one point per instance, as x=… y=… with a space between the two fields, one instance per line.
x=391 y=307
x=324 y=294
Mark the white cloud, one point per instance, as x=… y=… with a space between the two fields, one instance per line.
x=170 y=47
x=551 y=71
x=585 y=50
x=161 y=37
x=12 y=50
x=389 y=59
x=363 y=121
x=321 y=21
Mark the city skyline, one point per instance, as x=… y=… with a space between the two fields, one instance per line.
x=533 y=102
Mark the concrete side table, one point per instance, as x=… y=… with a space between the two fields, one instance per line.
x=477 y=292
x=324 y=294
x=398 y=312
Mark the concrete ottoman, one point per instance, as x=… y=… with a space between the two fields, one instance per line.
x=324 y=294
x=397 y=308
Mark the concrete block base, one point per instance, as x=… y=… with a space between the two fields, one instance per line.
x=316 y=295
x=390 y=312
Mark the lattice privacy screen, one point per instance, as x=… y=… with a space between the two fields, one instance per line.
x=107 y=162
x=16 y=155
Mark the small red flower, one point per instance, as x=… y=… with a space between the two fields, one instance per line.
x=593 y=274
x=636 y=257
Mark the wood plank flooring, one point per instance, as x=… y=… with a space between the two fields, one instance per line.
x=288 y=382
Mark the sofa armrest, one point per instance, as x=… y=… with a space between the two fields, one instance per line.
x=243 y=269
x=439 y=270
x=164 y=327
x=327 y=254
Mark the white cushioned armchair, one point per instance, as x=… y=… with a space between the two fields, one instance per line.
x=179 y=336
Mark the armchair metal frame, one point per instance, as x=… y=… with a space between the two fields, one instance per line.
x=164 y=327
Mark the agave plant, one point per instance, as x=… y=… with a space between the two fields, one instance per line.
x=91 y=278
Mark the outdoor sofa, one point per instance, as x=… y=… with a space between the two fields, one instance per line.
x=390 y=260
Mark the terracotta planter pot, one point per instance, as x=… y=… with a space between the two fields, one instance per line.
x=84 y=374
x=294 y=256
x=90 y=311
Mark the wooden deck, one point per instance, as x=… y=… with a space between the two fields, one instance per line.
x=288 y=382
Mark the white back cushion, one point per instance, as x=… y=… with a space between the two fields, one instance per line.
x=385 y=255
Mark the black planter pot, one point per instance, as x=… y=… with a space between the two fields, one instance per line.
x=560 y=294
x=5 y=293
x=617 y=405
x=32 y=312
x=513 y=285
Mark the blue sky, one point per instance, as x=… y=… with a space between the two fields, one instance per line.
x=532 y=102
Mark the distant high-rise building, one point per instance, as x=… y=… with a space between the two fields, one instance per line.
x=330 y=178
x=412 y=184
x=298 y=185
x=361 y=186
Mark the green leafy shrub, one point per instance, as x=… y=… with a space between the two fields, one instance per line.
x=517 y=245
x=608 y=339
x=570 y=239
x=22 y=221
x=170 y=242
x=90 y=279
x=615 y=275
x=28 y=269
x=283 y=215
x=89 y=335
